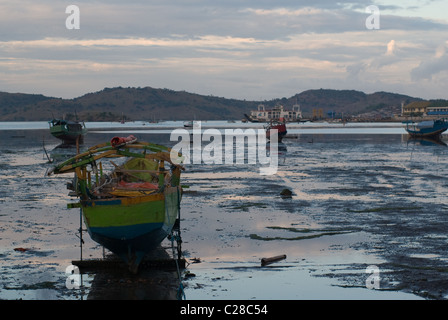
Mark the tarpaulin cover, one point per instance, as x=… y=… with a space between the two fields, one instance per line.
x=137 y=185
x=116 y=141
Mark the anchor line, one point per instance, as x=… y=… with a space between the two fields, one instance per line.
x=180 y=292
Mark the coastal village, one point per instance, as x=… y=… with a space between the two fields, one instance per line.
x=417 y=110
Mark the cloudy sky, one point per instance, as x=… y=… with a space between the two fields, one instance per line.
x=245 y=49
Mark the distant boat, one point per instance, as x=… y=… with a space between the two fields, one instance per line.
x=263 y=115
x=188 y=124
x=68 y=131
x=134 y=208
x=280 y=126
x=427 y=129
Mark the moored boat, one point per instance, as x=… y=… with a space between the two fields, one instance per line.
x=280 y=126
x=134 y=208
x=188 y=124
x=68 y=131
x=427 y=129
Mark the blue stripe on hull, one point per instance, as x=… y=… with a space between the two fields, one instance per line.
x=131 y=242
x=126 y=232
x=423 y=133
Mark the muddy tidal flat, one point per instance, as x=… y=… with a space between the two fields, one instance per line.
x=365 y=218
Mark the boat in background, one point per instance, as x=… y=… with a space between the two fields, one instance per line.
x=278 y=125
x=263 y=115
x=68 y=131
x=188 y=124
x=134 y=208
x=427 y=129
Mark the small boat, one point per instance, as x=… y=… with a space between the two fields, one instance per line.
x=188 y=124
x=278 y=125
x=68 y=131
x=427 y=129
x=134 y=208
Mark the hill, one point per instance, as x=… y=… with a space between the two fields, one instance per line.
x=351 y=102
x=10 y=102
x=111 y=104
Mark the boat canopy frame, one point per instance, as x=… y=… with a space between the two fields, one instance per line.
x=78 y=164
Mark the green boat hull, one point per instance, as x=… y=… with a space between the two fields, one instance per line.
x=67 y=131
x=132 y=227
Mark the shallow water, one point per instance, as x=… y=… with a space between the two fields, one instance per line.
x=359 y=199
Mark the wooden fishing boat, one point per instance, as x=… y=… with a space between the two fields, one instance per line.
x=134 y=208
x=68 y=131
x=427 y=129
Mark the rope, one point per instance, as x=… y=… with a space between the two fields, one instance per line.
x=180 y=292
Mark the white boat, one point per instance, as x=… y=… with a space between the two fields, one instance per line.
x=263 y=115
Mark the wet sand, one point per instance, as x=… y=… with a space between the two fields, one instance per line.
x=357 y=201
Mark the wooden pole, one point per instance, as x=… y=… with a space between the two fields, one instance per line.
x=80 y=231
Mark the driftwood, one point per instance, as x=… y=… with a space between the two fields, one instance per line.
x=267 y=261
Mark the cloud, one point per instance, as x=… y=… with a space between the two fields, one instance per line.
x=390 y=48
x=285 y=12
x=209 y=41
x=224 y=47
x=433 y=66
x=354 y=70
x=389 y=57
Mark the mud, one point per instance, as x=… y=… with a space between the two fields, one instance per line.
x=356 y=201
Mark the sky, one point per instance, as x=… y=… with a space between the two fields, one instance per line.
x=245 y=49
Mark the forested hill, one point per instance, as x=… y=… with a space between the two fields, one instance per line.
x=111 y=104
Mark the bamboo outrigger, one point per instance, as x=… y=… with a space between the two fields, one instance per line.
x=134 y=208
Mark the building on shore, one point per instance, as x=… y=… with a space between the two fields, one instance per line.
x=278 y=112
x=415 y=108
x=424 y=108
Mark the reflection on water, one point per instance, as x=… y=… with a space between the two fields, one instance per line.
x=427 y=141
x=151 y=283
x=357 y=200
